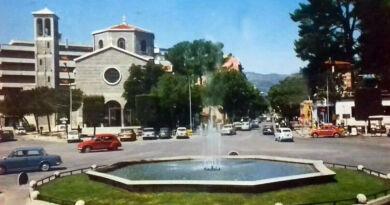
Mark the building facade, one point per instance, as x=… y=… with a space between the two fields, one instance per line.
x=100 y=69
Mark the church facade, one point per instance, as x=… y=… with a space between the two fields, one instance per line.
x=100 y=69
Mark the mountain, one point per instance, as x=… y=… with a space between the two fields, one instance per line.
x=264 y=81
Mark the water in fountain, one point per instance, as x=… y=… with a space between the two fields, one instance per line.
x=212 y=146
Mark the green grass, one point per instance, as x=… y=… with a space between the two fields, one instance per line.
x=348 y=185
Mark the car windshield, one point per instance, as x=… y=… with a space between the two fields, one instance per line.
x=227 y=126
x=73 y=132
x=181 y=129
x=286 y=130
x=164 y=130
x=148 y=130
x=126 y=130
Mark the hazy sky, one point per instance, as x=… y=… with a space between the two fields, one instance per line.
x=259 y=32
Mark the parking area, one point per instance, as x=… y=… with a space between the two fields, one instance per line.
x=373 y=152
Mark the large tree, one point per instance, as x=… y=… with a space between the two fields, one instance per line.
x=327 y=29
x=238 y=97
x=285 y=97
x=93 y=111
x=195 y=58
x=375 y=38
x=140 y=81
x=173 y=97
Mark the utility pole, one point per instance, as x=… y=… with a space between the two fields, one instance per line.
x=189 y=91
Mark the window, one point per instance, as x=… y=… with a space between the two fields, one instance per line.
x=100 y=44
x=33 y=153
x=47 y=27
x=39 y=27
x=122 y=43
x=40 y=61
x=112 y=76
x=143 y=46
x=18 y=153
x=48 y=79
x=48 y=44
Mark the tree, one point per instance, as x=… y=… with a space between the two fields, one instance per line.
x=375 y=38
x=235 y=94
x=195 y=58
x=61 y=100
x=285 y=97
x=327 y=29
x=93 y=111
x=172 y=93
x=14 y=104
x=141 y=81
x=147 y=110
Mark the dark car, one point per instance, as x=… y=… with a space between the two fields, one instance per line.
x=165 y=133
x=99 y=142
x=6 y=135
x=26 y=159
x=268 y=130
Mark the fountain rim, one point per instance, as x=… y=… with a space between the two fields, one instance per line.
x=320 y=171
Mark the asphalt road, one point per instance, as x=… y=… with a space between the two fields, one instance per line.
x=372 y=152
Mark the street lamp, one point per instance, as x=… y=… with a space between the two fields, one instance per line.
x=189 y=91
x=70 y=97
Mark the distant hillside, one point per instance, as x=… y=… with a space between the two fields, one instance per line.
x=264 y=81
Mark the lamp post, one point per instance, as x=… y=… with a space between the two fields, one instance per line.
x=189 y=91
x=70 y=98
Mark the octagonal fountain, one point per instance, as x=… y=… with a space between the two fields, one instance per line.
x=213 y=172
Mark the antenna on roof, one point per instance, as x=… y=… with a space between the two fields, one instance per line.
x=124 y=20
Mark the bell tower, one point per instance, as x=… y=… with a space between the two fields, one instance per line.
x=46 y=38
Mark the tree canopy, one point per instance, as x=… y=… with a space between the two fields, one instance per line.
x=285 y=97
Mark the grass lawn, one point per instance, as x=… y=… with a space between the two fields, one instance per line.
x=349 y=184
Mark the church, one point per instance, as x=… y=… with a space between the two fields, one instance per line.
x=100 y=69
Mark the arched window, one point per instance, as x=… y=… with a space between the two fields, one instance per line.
x=122 y=43
x=47 y=27
x=100 y=44
x=39 y=27
x=143 y=46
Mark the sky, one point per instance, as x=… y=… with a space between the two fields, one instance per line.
x=258 y=32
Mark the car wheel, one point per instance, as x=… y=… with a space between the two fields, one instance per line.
x=2 y=170
x=45 y=167
x=336 y=135
x=87 y=149
x=315 y=135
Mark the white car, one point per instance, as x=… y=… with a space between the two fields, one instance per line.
x=149 y=133
x=181 y=133
x=228 y=129
x=73 y=136
x=245 y=126
x=283 y=133
x=237 y=125
x=20 y=131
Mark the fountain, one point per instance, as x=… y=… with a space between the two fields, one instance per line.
x=213 y=172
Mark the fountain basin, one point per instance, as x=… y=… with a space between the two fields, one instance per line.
x=236 y=174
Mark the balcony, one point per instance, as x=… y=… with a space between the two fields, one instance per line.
x=64 y=75
x=17 y=72
x=17 y=60
x=68 y=64
x=24 y=86
x=17 y=48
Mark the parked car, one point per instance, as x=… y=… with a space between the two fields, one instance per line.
x=246 y=126
x=73 y=136
x=268 y=130
x=327 y=131
x=237 y=125
x=283 y=134
x=228 y=129
x=27 y=159
x=165 y=133
x=149 y=133
x=254 y=124
x=6 y=135
x=20 y=131
x=99 y=142
x=127 y=134
x=181 y=133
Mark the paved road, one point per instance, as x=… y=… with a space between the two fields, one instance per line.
x=373 y=152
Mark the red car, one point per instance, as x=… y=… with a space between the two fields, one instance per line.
x=99 y=142
x=327 y=131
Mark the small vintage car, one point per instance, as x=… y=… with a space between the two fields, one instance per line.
x=99 y=142
x=228 y=129
x=284 y=134
x=6 y=135
x=148 y=133
x=127 y=134
x=181 y=133
x=164 y=133
x=327 y=131
x=27 y=159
